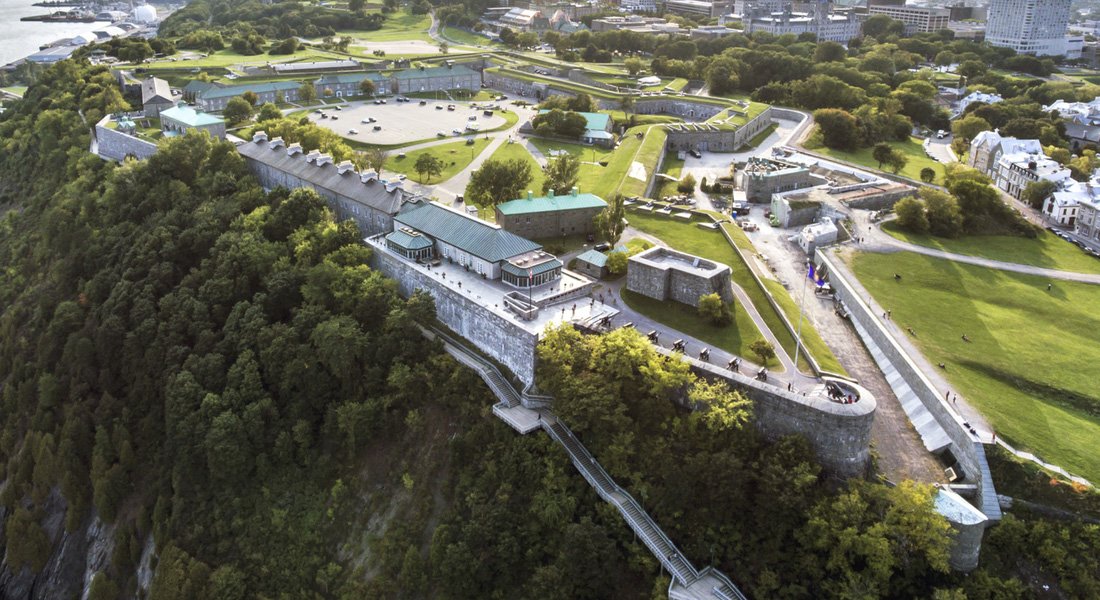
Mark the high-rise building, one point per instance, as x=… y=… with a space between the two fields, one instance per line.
x=917 y=19
x=1029 y=26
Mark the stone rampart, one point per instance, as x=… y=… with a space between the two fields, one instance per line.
x=504 y=341
x=965 y=447
x=116 y=145
x=839 y=433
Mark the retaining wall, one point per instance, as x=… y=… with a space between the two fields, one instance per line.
x=116 y=145
x=965 y=447
x=504 y=341
x=839 y=433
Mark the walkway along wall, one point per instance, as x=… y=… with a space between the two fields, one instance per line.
x=504 y=341
x=839 y=433
x=965 y=447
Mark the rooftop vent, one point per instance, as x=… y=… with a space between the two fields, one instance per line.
x=313 y=155
x=369 y=176
x=323 y=159
x=393 y=185
x=259 y=136
x=276 y=142
x=344 y=167
x=293 y=149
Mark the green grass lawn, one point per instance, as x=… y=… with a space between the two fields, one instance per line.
x=622 y=117
x=912 y=149
x=647 y=153
x=456 y=156
x=461 y=36
x=712 y=245
x=512 y=152
x=398 y=26
x=673 y=166
x=1030 y=365
x=227 y=57
x=592 y=175
x=734 y=338
x=1047 y=250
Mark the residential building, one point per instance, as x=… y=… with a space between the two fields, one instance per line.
x=960 y=106
x=182 y=118
x=1014 y=163
x=1082 y=121
x=702 y=8
x=480 y=247
x=554 y=215
x=649 y=6
x=1087 y=224
x=216 y=97
x=156 y=95
x=432 y=79
x=342 y=85
x=1029 y=26
x=371 y=202
x=821 y=20
x=917 y=19
x=1062 y=206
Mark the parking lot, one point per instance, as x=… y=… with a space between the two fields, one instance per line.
x=402 y=122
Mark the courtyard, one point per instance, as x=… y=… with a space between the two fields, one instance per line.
x=403 y=122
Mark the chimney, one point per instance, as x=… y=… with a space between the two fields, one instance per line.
x=322 y=160
x=276 y=142
x=393 y=185
x=293 y=149
x=344 y=167
x=574 y=191
x=530 y=195
x=368 y=177
x=259 y=136
x=313 y=155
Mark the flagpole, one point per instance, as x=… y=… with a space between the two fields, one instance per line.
x=801 y=310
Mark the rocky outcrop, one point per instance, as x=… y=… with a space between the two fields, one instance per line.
x=74 y=558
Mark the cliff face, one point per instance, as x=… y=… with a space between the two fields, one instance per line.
x=74 y=557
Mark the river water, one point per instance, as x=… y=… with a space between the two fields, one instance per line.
x=20 y=38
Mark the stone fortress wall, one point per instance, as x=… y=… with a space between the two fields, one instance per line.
x=839 y=433
x=504 y=341
x=116 y=145
x=966 y=448
x=665 y=274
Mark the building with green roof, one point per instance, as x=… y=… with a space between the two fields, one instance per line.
x=550 y=216
x=216 y=97
x=434 y=231
x=597 y=129
x=432 y=79
x=348 y=84
x=592 y=263
x=183 y=118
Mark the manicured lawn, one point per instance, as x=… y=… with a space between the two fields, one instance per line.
x=17 y=90
x=1030 y=365
x=622 y=117
x=912 y=149
x=461 y=36
x=456 y=156
x=398 y=26
x=672 y=167
x=711 y=244
x=512 y=152
x=592 y=175
x=1047 y=250
x=734 y=338
x=648 y=152
x=227 y=57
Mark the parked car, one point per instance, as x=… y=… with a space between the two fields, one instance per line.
x=695 y=153
x=456 y=131
x=337 y=107
x=353 y=131
x=469 y=141
x=423 y=102
x=603 y=247
x=377 y=128
x=439 y=107
x=402 y=177
x=450 y=107
x=941 y=134
x=334 y=118
x=472 y=118
x=487 y=113
x=440 y=134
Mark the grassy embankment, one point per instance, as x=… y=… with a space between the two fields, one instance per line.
x=1029 y=365
x=1047 y=250
x=912 y=149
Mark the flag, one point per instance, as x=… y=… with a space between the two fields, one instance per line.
x=530 y=276
x=818 y=281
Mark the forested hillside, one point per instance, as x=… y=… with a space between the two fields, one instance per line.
x=205 y=392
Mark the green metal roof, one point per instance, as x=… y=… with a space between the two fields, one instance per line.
x=259 y=88
x=593 y=257
x=408 y=241
x=466 y=233
x=593 y=121
x=190 y=117
x=434 y=72
x=526 y=206
x=539 y=269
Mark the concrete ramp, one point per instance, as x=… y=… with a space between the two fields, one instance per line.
x=931 y=433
